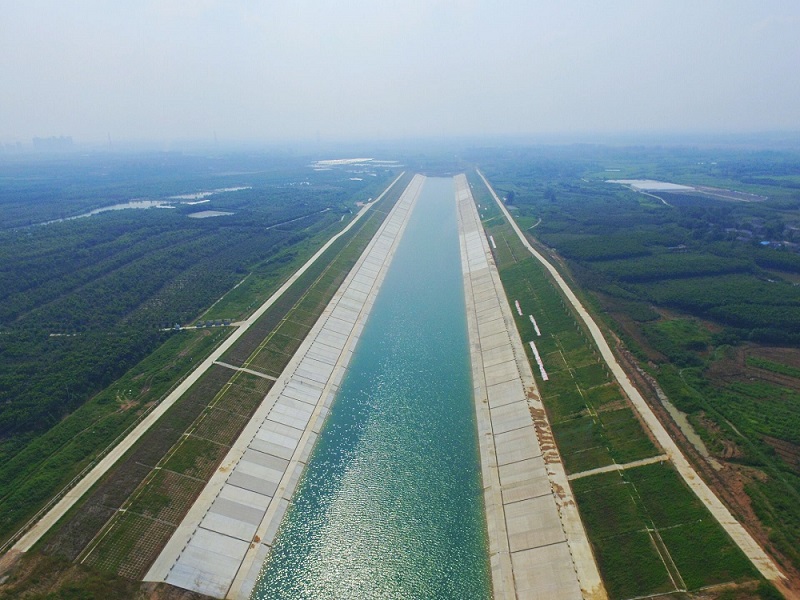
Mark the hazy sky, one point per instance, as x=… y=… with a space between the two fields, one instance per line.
x=270 y=70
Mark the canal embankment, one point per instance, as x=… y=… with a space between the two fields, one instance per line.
x=738 y=534
x=538 y=547
x=220 y=545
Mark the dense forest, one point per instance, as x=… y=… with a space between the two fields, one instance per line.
x=84 y=299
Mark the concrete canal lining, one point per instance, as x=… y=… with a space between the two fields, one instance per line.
x=390 y=504
x=220 y=546
x=538 y=546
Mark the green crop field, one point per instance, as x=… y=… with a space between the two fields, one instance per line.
x=647 y=517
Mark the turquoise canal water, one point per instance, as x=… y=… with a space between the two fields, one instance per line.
x=391 y=504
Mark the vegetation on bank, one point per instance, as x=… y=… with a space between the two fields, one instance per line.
x=703 y=291
x=644 y=514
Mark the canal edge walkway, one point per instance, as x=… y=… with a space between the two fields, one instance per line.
x=220 y=546
x=538 y=547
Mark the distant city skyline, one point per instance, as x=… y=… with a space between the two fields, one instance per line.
x=323 y=71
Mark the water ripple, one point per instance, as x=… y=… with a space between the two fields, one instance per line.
x=390 y=505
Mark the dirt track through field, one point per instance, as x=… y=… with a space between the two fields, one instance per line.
x=741 y=537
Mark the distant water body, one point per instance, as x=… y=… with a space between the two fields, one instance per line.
x=139 y=204
x=391 y=504
x=189 y=199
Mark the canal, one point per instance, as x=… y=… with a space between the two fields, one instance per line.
x=391 y=503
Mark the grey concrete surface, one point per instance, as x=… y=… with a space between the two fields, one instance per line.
x=538 y=548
